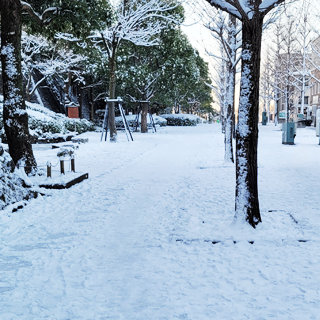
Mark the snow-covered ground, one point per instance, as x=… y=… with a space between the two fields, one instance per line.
x=134 y=242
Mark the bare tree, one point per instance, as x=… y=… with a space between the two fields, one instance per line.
x=303 y=70
x=267 y=84
x=226 y=30
x=276 y=68
x=220 y=88
x=288 y=60
x=251 y=13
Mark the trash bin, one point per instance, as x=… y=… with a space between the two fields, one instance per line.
x=288 y=133
x=264 y=118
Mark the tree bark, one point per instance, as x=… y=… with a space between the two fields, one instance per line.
x=247 y=203
x=228 y=137
x=144 y=115
x=15 y=117
x=112 y=95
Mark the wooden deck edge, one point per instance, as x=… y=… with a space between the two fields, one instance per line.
x=65 y=185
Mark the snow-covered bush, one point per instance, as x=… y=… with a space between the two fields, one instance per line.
x=79 y=126
x=44 y=122
x=40 y=126
x=181 y=119
x=131 y=119
x=12 y=185
x=65 y=151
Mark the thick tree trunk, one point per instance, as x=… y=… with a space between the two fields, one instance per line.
x=144 y=115
x=112 y=95
x=15 y=117
x=247 y=203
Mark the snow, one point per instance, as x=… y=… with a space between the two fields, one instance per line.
x=107 y=248
x=10 y=69
x=180 y=115
x=131 y=120
x=229 y=7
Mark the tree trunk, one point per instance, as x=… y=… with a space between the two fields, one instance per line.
x=112 y=95
x=268 y=107
x=247 y=202
x=228 y=137
x=228 y=154
x=223 y=114
x=15 y=117
x=144 y=115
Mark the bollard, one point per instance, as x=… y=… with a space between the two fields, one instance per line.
x=72 y=164
x=62 y=166
x=48 y=169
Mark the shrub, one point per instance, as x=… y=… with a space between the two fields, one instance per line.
x=12 y=184
x=131 y=119
x=79 y=125
x=42 y=126
x=181 y=119
x=43 y=122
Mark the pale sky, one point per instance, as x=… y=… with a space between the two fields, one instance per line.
x=201 y=38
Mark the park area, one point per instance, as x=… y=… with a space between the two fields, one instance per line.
x=150 y=235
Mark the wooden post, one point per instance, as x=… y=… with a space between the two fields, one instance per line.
x=62 y=166
x=48 y=169
x=72 y=164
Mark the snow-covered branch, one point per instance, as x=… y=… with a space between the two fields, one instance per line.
x=43 y=19
x=38 y=54
x=245 y=9
x=138 y=22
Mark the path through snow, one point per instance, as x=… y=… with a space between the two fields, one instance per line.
x=107 y=248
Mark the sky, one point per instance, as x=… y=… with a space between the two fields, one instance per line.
x=196 y=13
x=201 y=38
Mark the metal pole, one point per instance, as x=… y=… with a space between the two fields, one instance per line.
x=126 y=124
x=107 y=123
x=62 y=166
x=123 y=117
x=151 y=118
x=48 y=169
x=137 y=121
x=72 y=164
x=104 y=121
